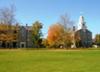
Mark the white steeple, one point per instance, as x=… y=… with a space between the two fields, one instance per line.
x=81 y=24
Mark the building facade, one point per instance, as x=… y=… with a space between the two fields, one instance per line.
x=25 y=37
x=14 y=36
x=83 y=36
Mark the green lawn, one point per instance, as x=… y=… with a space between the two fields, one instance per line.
x=49 y=60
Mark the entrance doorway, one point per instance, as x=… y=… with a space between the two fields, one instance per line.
x=22 y=44
x=14 y=44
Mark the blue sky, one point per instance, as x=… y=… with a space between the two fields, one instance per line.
x=49 y=11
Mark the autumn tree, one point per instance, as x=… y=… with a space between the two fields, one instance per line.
x=55 y=35
x=97 y=39
x=77 y=39
x=37 y=34
x=60 y=34
x=7 y=24
x=68 y=25
x=44 y=43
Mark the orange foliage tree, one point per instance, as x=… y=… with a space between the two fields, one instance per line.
x=60 y=34
x=57 y=36
x=54 y=33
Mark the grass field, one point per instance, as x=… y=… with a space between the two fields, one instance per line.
x=49 y=60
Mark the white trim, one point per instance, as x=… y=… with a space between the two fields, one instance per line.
x=22 y=44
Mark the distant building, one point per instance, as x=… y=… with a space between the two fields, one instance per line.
x=14 y=36
x=25 y=37
x=83 y=36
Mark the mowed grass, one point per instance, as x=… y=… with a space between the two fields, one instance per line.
x=49 y=60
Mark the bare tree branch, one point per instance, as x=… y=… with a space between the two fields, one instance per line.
x=7 y=15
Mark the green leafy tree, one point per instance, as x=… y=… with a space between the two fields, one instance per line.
x=37 y=34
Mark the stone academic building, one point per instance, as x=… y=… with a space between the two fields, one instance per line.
x=14 y=36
